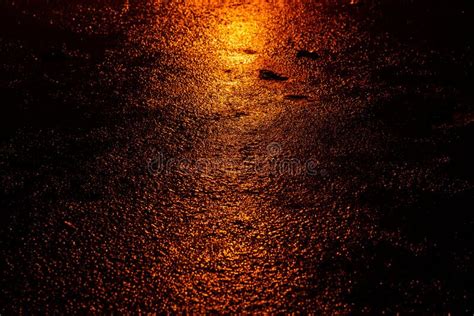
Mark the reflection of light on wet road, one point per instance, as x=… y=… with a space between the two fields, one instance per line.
x=240 y=34
x=225 y=252
x=240 y=41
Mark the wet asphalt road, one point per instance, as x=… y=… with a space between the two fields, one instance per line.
x=189 y=156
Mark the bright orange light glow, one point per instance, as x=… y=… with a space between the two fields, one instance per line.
x=241 y=37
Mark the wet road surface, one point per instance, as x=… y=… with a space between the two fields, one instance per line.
x=231 y=157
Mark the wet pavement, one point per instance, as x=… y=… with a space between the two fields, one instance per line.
x=262 y=156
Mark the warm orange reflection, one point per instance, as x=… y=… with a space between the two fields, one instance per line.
x=240 y=41
x=227 y=251
x=240 y=35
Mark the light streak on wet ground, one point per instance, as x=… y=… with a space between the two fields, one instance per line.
x=231 y=157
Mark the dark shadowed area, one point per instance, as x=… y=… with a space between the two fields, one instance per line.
x=236 y=156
